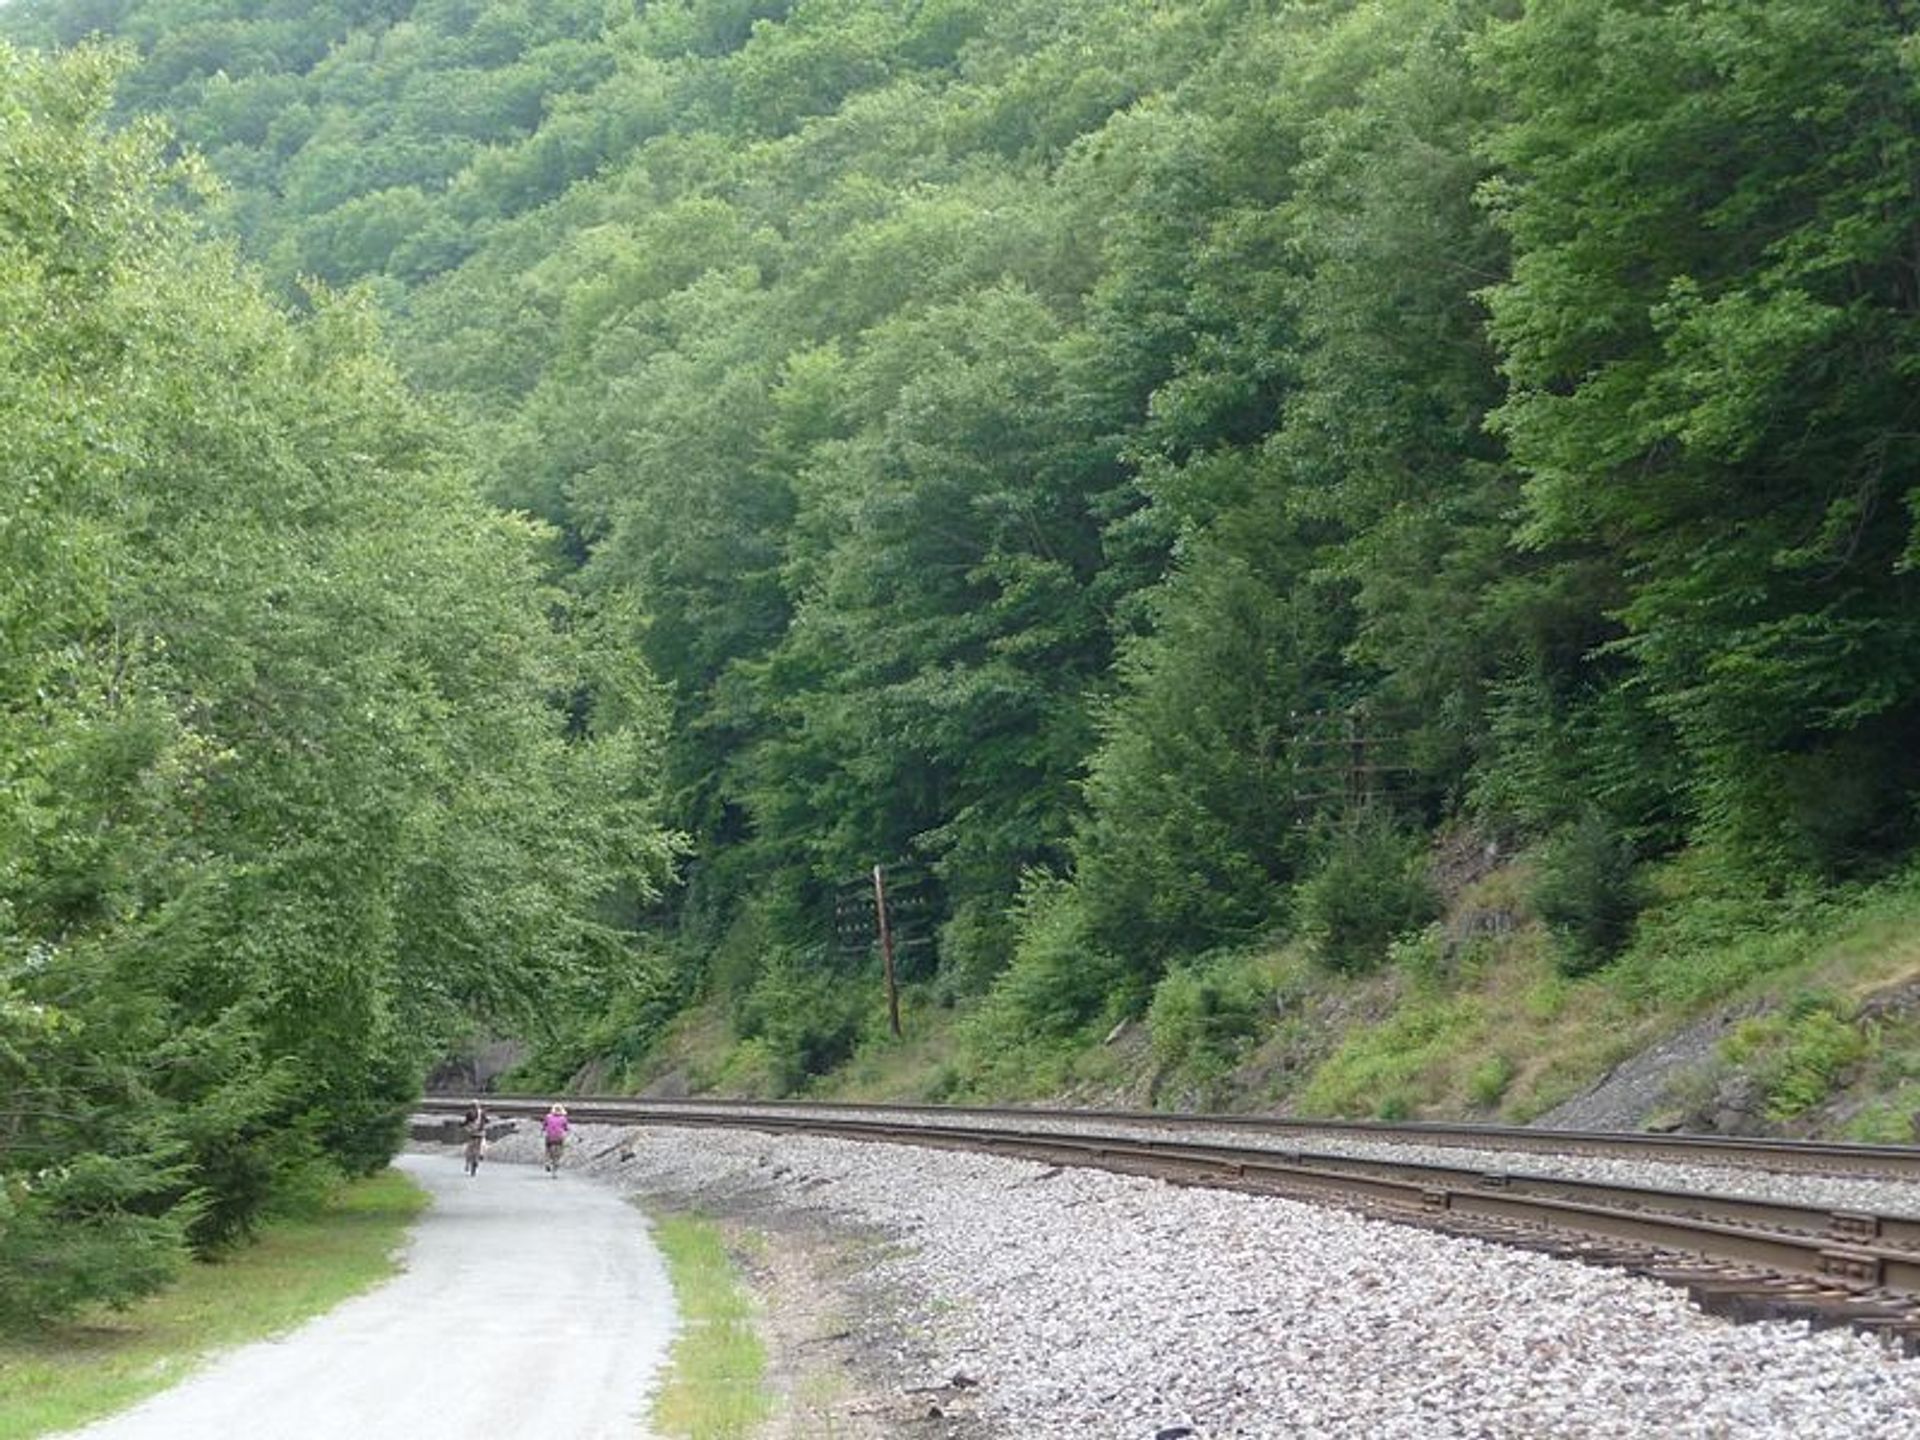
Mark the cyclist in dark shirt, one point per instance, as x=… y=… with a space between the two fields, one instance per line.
x=474 y=1126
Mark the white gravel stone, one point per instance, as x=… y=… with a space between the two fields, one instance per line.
x=1096 y=1305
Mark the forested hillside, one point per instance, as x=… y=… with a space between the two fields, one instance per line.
x=1140 y=470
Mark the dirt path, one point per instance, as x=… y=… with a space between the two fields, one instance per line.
x=529 y=1307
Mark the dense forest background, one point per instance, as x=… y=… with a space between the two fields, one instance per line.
x=1149 y=473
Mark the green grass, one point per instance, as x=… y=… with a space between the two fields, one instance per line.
x=713 y=1389
x=1706 y=942
x=1489 y=1080
x=105 y=1362
x=1887 y=1121
x=1377 y=1070
x=1797 y=1052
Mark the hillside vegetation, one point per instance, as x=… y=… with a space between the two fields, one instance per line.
x=1166 y=479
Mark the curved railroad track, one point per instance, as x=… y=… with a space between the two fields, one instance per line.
x=1736 y=1254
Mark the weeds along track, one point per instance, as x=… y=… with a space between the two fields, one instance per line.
x=1746 y=1256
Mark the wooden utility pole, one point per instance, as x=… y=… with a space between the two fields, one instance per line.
x=886 y=949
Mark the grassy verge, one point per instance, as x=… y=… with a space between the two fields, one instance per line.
x=300 y=1267
x=713 y=1389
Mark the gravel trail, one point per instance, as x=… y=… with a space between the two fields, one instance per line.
x=529 y=1307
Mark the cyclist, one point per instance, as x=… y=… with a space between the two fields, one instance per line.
x=555 y=1128
x=474 y=1127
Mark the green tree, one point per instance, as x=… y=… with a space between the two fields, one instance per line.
x=1711 y=335
x=284 y=790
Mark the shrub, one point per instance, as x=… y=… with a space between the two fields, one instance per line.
x=1059 y=987
x=1203 y=1017
x=67 y=1241
x=1796 y=1054
x=1489 y=1080
x=1836 y=809
x=1059 y=982
x=1371 y=887
x=747 y=1069
x=1587 y=893
x=806 y=1018
x=974 y=946
x=1710 y=932
x=1393 y=1108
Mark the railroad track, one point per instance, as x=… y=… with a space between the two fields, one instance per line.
x=1898 y=1162
x=1737 y=1255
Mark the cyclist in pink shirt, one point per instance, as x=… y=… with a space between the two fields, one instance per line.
x=555 y=1127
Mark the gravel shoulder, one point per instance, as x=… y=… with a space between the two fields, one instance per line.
x=840 y=1363
x=1077 y=1304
